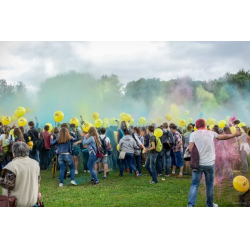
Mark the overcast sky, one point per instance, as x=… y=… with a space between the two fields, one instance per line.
x=33 y=62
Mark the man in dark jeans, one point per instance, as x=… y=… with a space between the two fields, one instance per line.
x=44 y=154
x=33 y=134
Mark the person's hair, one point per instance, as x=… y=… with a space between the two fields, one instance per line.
x=174 y=127
x=1 y=124
x=18 y=133
x=200 y=123
x=55 y=130
x=72 y=125
x=7 y=132
x=179 y=130
x=31 y=124
x=227 y=130
x=151 y=128
x=64 y=136
x=93 y=132
x=103 y=130
x=244 y=128
x=137 y=130
x=126 y=131
x=236 y=122
x=248 y=132
x=64 y=125
x=123 y=125
x=20 y=149
x=22 y=129
x=190 y=128
x=165 y=125
x=171 y=124
x=216 y=129
x=185 y=131
x=46 y=127
x=143 y=129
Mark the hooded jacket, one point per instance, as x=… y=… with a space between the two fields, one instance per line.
x=127 y=144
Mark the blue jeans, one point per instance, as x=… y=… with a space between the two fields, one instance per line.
x=63 y=160
x=129 y=160
x=34 y=154
x=164 y=160
x=91 y=165
x=150 y=166
x=196 y=178
x=137 y=161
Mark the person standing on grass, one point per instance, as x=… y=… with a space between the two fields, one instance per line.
x=63 y=142
x=128 y=145
x=33 y=134
x=92 y=141
x=204 y=141
x=152 y=155
x=44 y=154
x=186 y=144
x=177 y=160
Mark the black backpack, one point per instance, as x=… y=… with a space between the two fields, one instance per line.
x=40 y=144
x=104 y=145
x=167 y=140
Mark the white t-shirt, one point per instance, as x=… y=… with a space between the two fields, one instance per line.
x=107 y=141
x=5 y=142
x=204 y=141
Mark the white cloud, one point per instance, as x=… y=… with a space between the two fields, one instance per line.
x=33 y=62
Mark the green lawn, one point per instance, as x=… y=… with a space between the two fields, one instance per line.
x=128 y=191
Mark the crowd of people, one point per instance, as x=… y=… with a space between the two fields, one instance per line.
x=123 y=148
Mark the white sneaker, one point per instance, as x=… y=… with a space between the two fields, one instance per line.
x=166 y=175
x=61 y=184
x=76 y=171
x=73 y=183
x=215 y=205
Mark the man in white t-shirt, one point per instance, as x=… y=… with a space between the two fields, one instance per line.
x=104 y=160
x=204 y=141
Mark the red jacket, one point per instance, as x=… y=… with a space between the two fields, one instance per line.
x=46 y=137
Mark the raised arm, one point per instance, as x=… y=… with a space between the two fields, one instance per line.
x=228 y=136
x=87 y=140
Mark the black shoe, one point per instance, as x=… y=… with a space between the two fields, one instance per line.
x=120 y=175
x=96 y=183
x=92 y=180
x=185 y=173
x=104 y=178
x=99 y=172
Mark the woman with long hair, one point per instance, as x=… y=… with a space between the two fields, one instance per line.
x=217 y=169
x=64 y=150
x=93 y=142
x=16 y=135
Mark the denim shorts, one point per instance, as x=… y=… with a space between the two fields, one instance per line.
x=104 y=159
x=177 y=159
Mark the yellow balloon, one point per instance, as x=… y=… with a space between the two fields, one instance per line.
x=221 y=124
x=13 y=118
x=6 y=120
x=182 y=122
x=159 y=119
x=117 y=147
x=241 y=124
x=22 y=122
x=30 y=144
x=50 y=126
x=20 y=111
x=122 y=115
x=98 y=123
x=74 y=121
x=241 y=183
x=211 y=121
x=112 y=121
x=186 y=112
x=27 y=110
x=86 y=126
x=158 y=132
x=233 y=130
x=95 y=116
x=142 y=120
x=168 y=117
x=195 y=128
x=106 y=119
x=131 y=122
x=58 y=116
x=126 y=117
x=106 y=124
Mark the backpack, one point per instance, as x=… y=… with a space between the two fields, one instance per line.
x=158 y=147
x=40 y=144
x=98 y=152
x=104 y=145
x=137 y=150
x=35 y=141
x=167 y=141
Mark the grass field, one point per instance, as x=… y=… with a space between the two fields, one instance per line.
x=128 y=191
